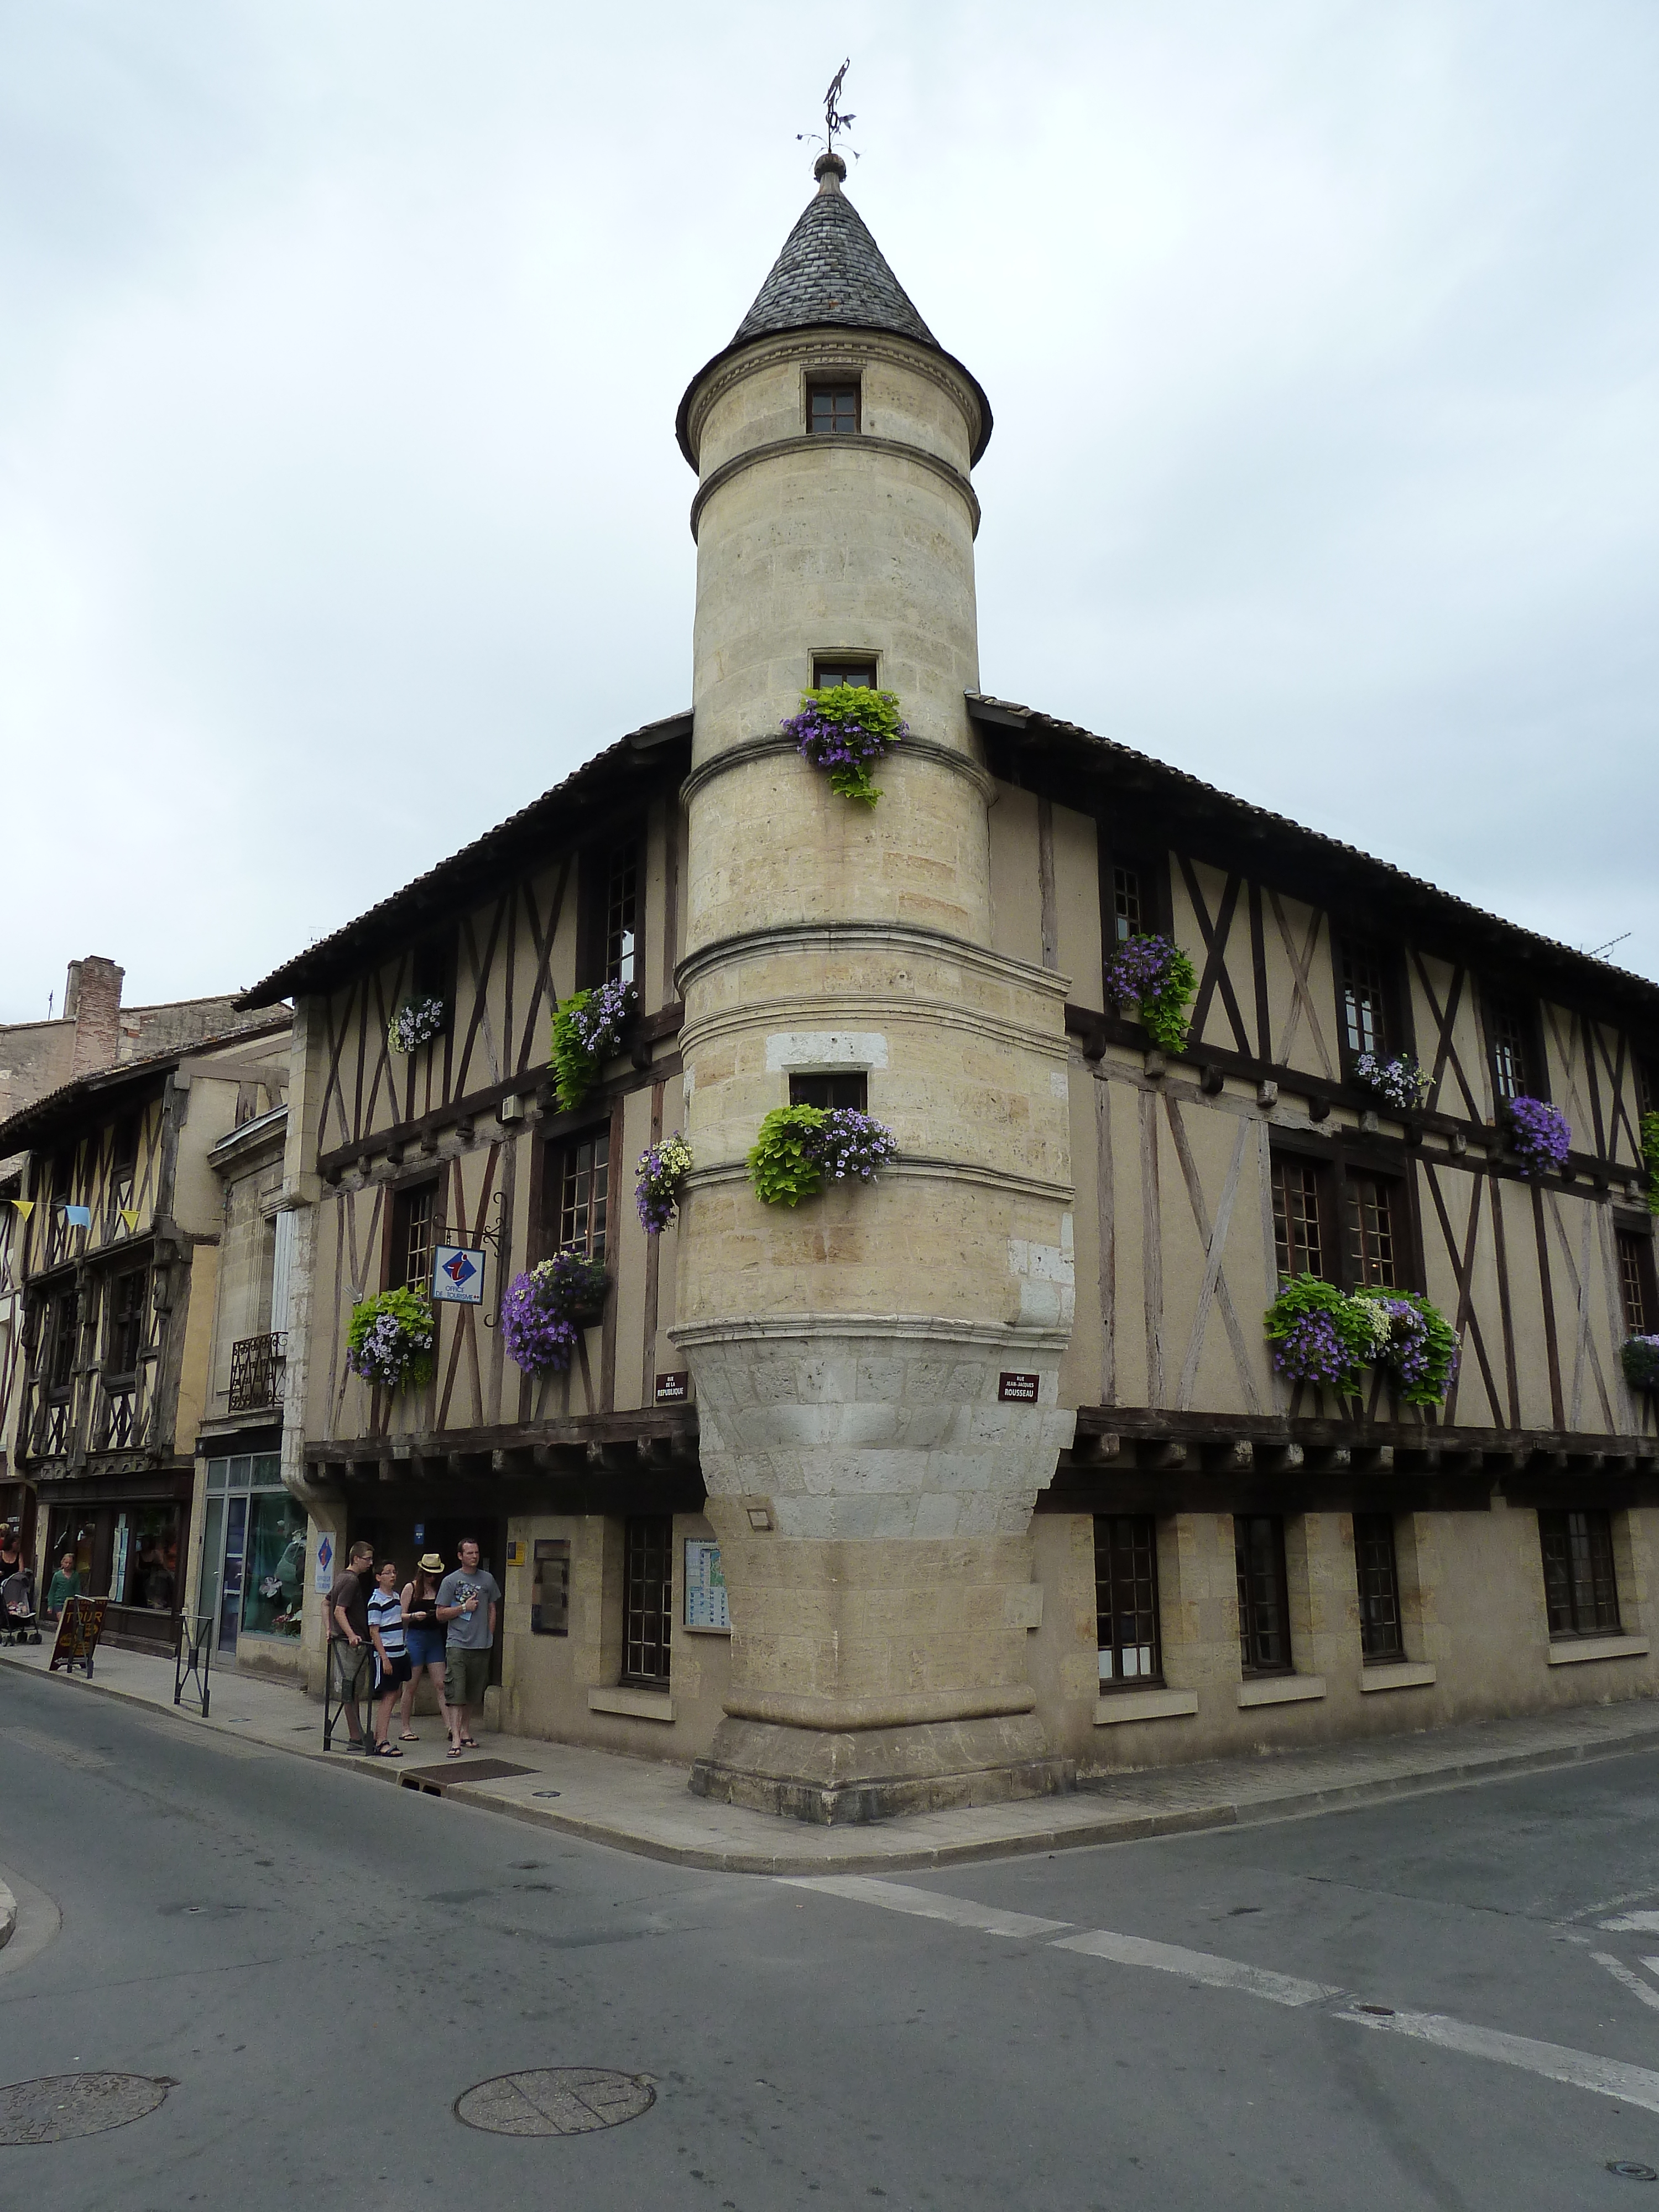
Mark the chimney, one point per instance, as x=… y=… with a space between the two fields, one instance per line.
x=92 y=1001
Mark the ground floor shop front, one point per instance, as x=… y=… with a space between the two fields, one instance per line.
x=126 y=1539
x=1159 y=1638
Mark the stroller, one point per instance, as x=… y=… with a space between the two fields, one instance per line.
x=17 y=1621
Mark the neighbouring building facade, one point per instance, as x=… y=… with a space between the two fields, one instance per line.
x=981 y=1476
x=116 y=1220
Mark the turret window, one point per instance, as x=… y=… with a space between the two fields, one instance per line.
x=847 y=1093
x=833 y=409
x=832 y=668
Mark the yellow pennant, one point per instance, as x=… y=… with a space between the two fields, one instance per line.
x=130 y=1215
x=26 y=1206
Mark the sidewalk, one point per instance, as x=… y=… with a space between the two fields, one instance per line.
x=640 y=1805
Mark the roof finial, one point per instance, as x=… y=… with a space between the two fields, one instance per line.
x=829 y=169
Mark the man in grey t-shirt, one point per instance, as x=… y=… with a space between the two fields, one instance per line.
x=467 y=1605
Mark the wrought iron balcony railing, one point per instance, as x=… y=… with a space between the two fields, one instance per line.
x=257 y=1365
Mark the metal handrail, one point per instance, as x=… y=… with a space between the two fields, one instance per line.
x=192 y=1657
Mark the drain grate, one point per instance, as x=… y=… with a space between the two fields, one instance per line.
x=556 y=2100
x=434 y=1780
x=65 y=2106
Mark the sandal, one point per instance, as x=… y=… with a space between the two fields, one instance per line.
x=469 y=1743
x=409 y=1736
x=453 y=1752
x=385 y=1751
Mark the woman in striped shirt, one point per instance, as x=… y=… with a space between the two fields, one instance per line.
x=392 y=1670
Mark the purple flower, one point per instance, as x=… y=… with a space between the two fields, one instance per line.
x=1542 y=1136
x=597 y=1023
x=544 y=1310
x=1310 y=1351
x=847 y=1143
x=662 y=1172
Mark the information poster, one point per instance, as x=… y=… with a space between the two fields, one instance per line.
x=458 y=1275
x=705 y=1586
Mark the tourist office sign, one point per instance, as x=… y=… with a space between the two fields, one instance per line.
x=458 y=1274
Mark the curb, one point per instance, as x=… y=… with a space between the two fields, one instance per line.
x=1109 y=1827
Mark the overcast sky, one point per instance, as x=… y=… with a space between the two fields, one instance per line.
x=340 y=512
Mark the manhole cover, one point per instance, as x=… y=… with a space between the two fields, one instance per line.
x=434 y=1780
x=1628 y=2170
x=67 y=2105
x=556 y=2100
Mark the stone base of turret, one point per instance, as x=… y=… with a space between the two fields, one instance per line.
x=836 y=1777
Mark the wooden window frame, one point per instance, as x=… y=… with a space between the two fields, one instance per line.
x=115 y=1317
x=402 y=1199
x=647 y=1538
x=593 y=879
x=1145 y=854
x=1377 y=1573
x=842 y=380
x=58 y=1335
x=1497 y=1002
x=1397 y=1034
x=1337 y=1163
x=555 y=1156
x=1633 y=1239
x=843 y=1088
x=1557 y=1536
x=1250 y=1670
x=853 y=666
x=1110 y=1610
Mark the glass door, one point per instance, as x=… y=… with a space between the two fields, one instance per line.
x=230 y=1609
x=213 y=1561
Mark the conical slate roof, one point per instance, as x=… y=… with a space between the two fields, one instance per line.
x=831 y=270
x=831 y=275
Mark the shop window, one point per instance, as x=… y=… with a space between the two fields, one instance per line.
x=832 y=410
x=125 y=1338
x=1264 y=1620
x=1636 y=1281
x=1372 y=1204
x=1126 y=1600
x=1377 y=1569
x=413 y=1226
x=549 y=1592
x=575 y=1189
x=647 y=1600
x=848 y=1090
x=1581 y=1590
x=274 y=1570
x=144 y=1564
x=829 y=669
x=1299 y=1236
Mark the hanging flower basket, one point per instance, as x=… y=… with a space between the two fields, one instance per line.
x=847 y=728
x=1318 y=1335
x=545 y=1309
x=1154 y=978
x=1400 y=1082
x=1650 y=1132
x=802 y=1149
x=389 y=1340
x=663 y=1170
x=1542 y=1136
x=586 y=1032
x=1639 y=1357
x=416 y=1023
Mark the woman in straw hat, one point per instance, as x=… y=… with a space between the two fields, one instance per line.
x=424 y=1636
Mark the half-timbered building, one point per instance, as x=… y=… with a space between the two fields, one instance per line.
x=116 y=1221
x=988 y=1459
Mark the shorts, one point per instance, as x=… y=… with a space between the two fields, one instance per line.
x=466 y=1676
x=428 y=1647
x=394 y=1674
x=352 y=1664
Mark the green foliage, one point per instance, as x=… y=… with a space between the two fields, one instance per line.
x=1316 y=1335
x=782 y=1170
x=846 y=728
x=1649 y=1126
x=389 y=1340
x=1164 y=1017
x=1422 y=1353
x=575 y=1070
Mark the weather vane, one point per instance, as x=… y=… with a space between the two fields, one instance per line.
x=834 y=121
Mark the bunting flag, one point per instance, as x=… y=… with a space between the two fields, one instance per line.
x=26 y=1206
x=78 y=1216
x=130 y=1216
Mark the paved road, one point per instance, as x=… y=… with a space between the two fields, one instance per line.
x=325 y=1963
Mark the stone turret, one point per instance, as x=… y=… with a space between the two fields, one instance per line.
x=871 y=1468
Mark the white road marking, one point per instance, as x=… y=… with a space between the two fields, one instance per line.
x=1579 y=2070
x=1553 y=2062
x=1632 y=1923
x=927 y=1903
x=1633 y=1983
x=1199 y=1967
